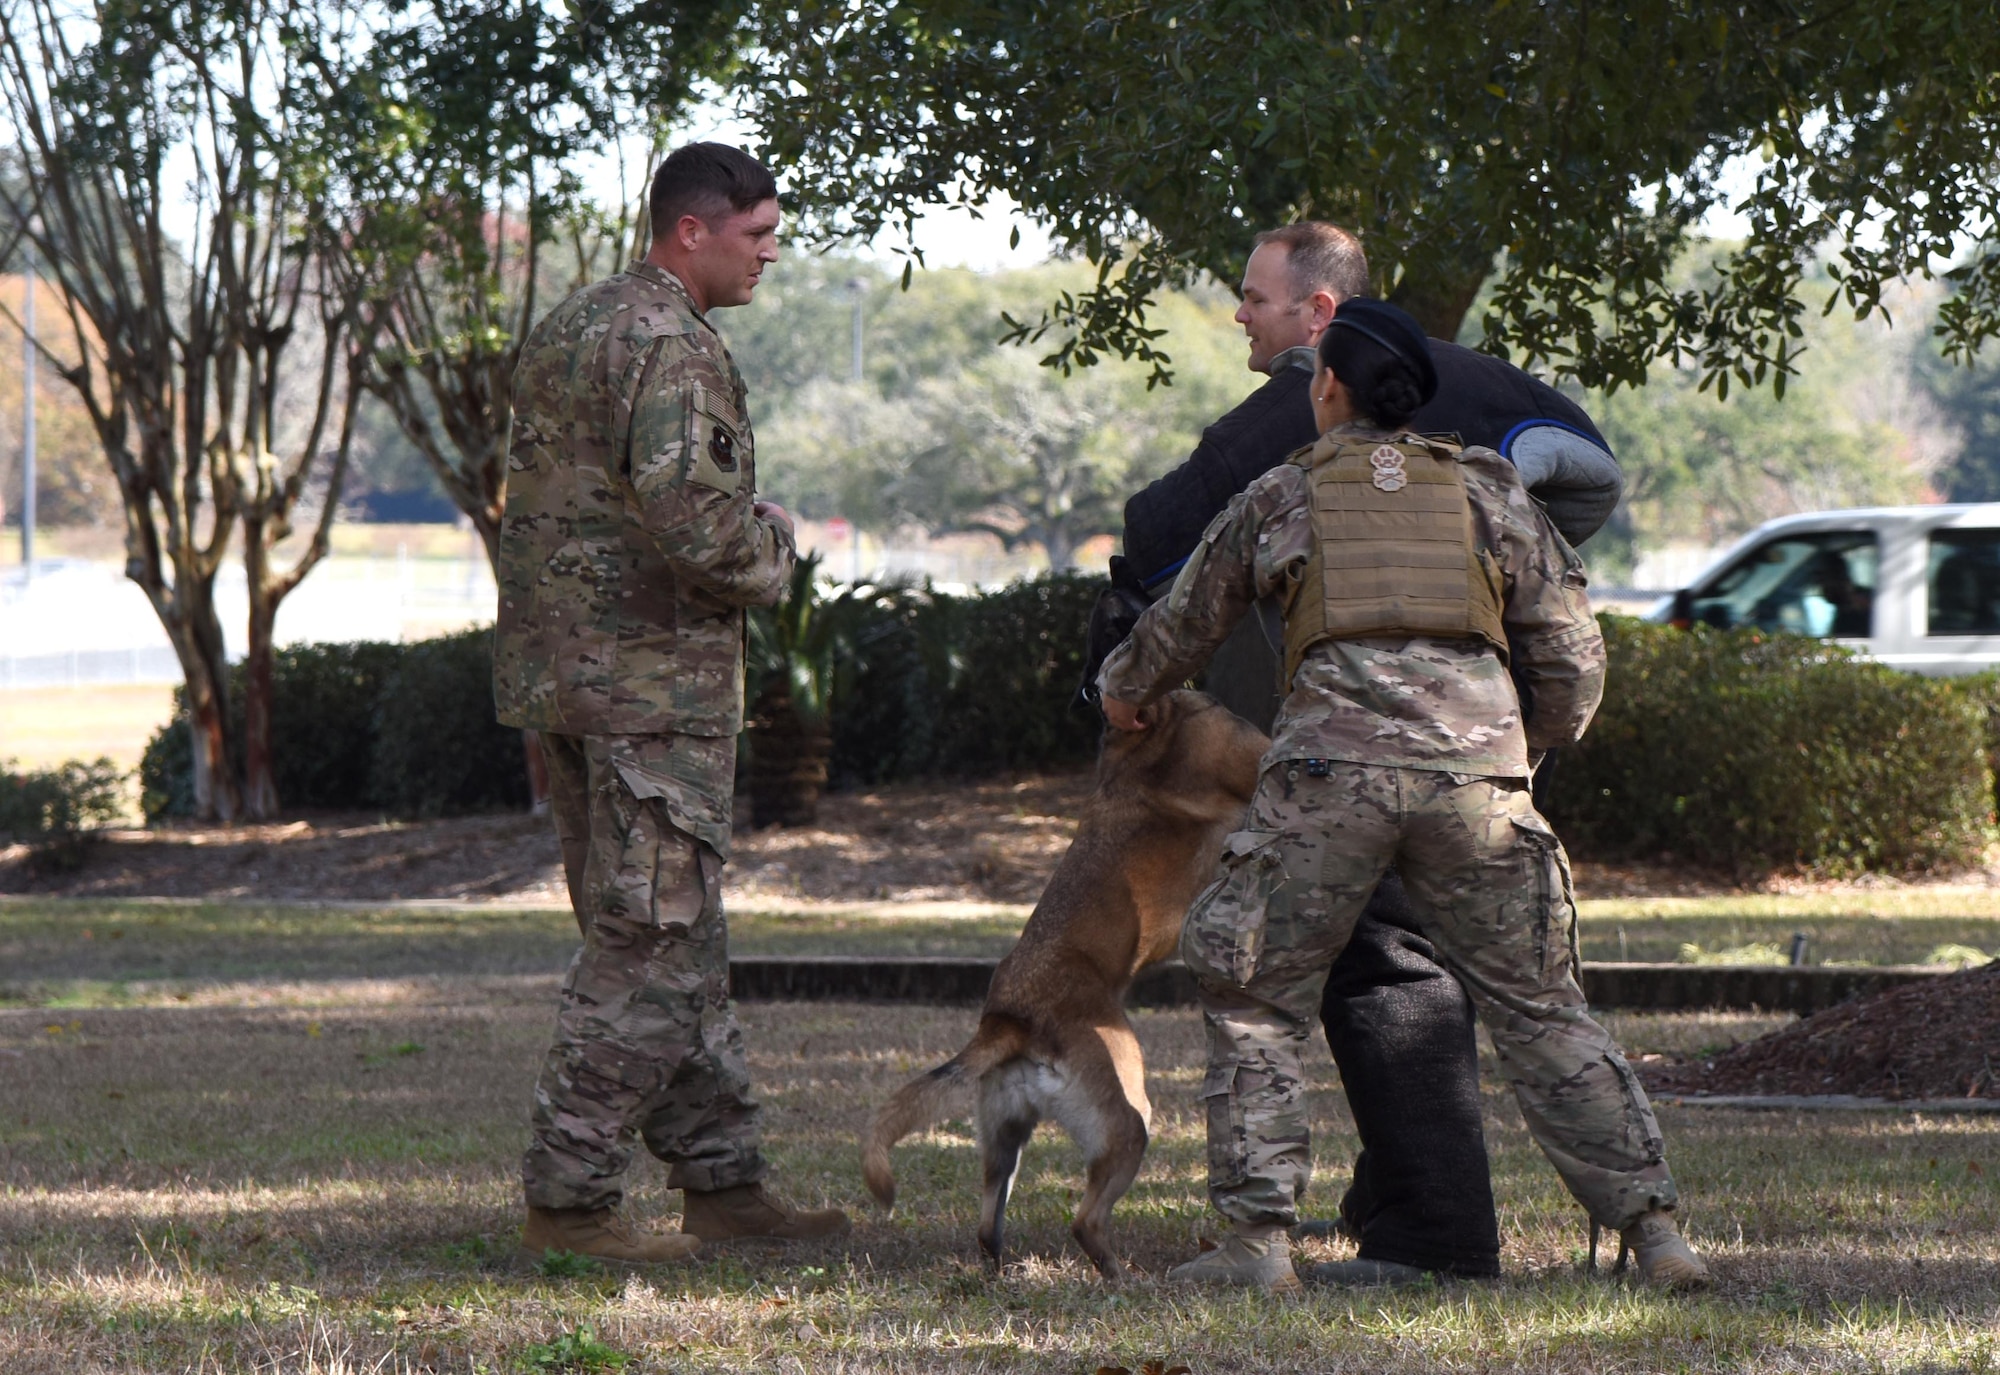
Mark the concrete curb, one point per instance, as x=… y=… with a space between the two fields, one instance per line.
x=1638 y=987
x=1821 y=1102
x=1734 y=987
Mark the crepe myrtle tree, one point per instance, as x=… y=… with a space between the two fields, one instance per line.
x=174 y=185
x=474 y=219
x=1554 y=157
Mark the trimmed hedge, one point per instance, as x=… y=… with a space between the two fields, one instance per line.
x=1750 y=752
x=944 y=686
x=404 y=729
x=437 y=748
x=929 y=685
x=1734 y=750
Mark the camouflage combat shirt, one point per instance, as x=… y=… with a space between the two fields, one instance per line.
x=630 y=547
x=1448 y=705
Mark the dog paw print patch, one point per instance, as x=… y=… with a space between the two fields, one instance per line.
x=1390 y=475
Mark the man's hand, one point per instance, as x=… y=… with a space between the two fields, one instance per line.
x=774 y=513
x=1125 y=716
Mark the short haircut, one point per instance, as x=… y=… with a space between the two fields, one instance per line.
x=708 y=181
x=1321 y=257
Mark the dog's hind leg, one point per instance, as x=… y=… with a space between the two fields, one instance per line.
x=1007 y=1118
x=1105 y=1108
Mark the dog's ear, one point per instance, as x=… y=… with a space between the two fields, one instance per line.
x=1118 y=609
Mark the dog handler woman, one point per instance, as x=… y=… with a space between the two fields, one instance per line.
x=1410 y=570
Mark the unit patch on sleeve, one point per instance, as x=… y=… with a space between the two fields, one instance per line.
x=715 y=439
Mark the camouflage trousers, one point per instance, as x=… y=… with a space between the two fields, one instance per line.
x=646 y=1042
x=1490 y=886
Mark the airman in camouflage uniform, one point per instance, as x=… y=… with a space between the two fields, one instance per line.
x=632 y=543
x=1391 y=749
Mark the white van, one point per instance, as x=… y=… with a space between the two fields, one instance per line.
x=1915 y=587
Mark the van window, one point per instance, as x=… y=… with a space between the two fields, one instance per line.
x=1820 y=584
x=1964 y=582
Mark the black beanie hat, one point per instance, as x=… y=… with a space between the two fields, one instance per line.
x=1395 y=331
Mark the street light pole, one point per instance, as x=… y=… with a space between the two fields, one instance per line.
x=859 y=288
x=28 y=413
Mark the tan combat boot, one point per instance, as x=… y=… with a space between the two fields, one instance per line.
x=747 y=1211
x=1253 y=1257
x=1664 y=1257
x=602 y=1234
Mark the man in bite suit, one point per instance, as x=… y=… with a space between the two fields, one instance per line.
x=1399 y=1025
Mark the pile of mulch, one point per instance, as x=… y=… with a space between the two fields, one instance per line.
x=1939 y=1038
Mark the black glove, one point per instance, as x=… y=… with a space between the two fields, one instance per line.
x=1111 y=620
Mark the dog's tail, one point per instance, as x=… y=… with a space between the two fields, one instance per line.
x=914 y=1106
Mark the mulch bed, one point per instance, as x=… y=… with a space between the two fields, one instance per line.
x=1935 y=1039
x=993 y=840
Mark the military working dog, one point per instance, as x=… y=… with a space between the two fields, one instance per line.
x=1053 y=1040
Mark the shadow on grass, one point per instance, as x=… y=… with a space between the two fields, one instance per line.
x=297 y=1188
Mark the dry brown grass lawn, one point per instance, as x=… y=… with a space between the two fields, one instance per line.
x=42 y=727
x=317 y=1174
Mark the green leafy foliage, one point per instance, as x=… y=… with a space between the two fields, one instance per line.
x=438 y=749
x=949 y=430
x=55 y=811
x=965 y=686
x=1983 y=690
x=166 y=769
x=911 y=683
x=1749 y=753
x=323 y=720
x=927 y=684
x=566 y=1265
x=793 y=650
x=579 y=1350
x=1863 y=423
x=1576 y=147
x=797 y=653
x=1968 y=402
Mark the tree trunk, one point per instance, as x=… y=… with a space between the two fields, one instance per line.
x=187 y=613
x=488 y=526
x=1060 y=545
x=260 y=780
x=260 y=783
x=1439 y=299
x=217 y=794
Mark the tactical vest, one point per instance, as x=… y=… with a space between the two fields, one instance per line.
x=1394 y=550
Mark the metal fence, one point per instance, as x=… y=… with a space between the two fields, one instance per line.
x=82 y=667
